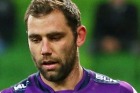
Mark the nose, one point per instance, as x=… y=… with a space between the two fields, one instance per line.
x=45 y=48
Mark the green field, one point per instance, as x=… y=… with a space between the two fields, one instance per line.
x=16 y=62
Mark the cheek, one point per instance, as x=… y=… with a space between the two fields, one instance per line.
x=65 y=46
x=34 y=50
x=35 y=55
x=65 y=49
x=31 y=48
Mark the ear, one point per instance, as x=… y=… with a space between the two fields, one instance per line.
x=81 y=35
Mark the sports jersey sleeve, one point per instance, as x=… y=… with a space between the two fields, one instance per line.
x=9 y=90
x=126 y=88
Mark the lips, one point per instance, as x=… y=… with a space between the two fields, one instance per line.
x=48 y=62
x=50 y=65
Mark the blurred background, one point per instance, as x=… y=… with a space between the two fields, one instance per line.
x=112 y=46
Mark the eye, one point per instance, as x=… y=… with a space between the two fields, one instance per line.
x=35 y=39
x=55 y=38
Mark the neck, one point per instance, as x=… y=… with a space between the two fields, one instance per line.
x=68 y=83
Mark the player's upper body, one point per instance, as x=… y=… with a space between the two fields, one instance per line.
x=55 y=34
x=91 y=82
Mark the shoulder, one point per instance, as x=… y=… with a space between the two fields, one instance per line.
x=19 y=87
x=8 y=90
x=101 y=79
x=126 y=87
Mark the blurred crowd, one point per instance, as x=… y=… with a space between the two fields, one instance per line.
x=116 y=27
x=7 y=24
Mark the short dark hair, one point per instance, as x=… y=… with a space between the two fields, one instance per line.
x=39 y=8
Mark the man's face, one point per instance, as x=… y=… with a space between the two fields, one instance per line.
x=52 y=45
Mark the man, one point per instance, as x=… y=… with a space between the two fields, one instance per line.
x=54 y=35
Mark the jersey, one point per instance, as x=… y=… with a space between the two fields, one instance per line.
x=91 y=82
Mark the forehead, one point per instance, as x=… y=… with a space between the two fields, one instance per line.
x=54 y=16
x=54 y=20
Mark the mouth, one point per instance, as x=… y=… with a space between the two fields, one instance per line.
x=50 y=65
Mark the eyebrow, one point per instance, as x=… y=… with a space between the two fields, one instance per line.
x=55 y=33
x=33 y=35
x=48 y=34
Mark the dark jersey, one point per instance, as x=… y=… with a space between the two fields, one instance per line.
x=90 y=83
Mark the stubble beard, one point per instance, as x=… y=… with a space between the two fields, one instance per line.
x=65 y=69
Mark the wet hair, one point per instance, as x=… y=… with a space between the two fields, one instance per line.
x=71 y=12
